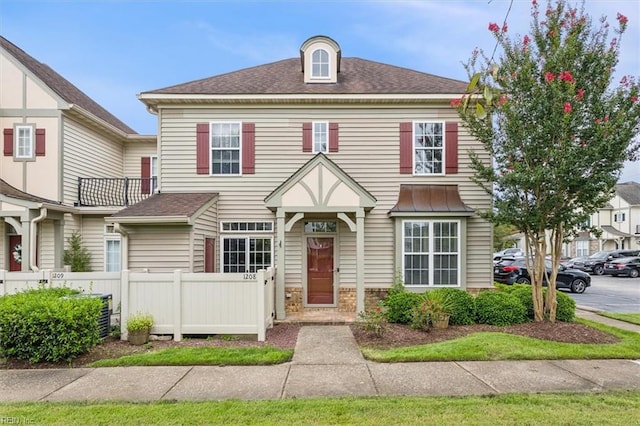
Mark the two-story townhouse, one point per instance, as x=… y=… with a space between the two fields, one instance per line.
x=341 y=172
x=618 y=221
x=64 y=167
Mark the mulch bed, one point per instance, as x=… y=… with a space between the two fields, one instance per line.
x=284 y=336
x=398 y=335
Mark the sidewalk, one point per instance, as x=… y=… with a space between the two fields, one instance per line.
x=326 y=363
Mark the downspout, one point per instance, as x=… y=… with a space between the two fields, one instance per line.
x=34 y=235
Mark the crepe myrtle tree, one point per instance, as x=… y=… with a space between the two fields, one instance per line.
x=557 y=126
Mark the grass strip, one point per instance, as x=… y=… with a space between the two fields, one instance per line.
x=490 y=346
x=263 y=355
x=633 y=318
x=607 y=408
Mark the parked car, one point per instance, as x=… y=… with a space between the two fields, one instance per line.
x=511 y=271
x=595 y=263
x=510 y=253
x=625 y=266
x=575 y=262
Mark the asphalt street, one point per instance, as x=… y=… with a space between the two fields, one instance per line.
x=610 y=294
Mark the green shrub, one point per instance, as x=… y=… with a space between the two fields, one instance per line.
x=461 y=305
x=399 y=306
x=499 y=308
x=566 y=309
x=421 y=316
x=48 y=325
x=523 y=293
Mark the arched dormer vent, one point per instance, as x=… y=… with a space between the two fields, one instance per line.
x=320 y=60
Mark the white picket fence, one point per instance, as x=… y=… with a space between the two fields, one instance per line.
x=180 y=303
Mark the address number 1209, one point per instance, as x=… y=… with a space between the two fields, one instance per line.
x=249 y=276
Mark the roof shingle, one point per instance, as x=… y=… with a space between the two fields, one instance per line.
x=357 y=76
x=63 y=87
x=630 y=192
x=168 y=205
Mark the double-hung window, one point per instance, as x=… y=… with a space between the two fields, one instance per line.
x=320 y=136
x=431 y=253
x=111 y=250
x=225 y=148
x=154 y=174
x=320 y=63
x=25 y=142
x=582 y=248
x=246 y=253
x=428 y=147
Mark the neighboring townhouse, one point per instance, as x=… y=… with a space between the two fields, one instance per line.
x=618 y=221
x=66 y=164
x=343 y=173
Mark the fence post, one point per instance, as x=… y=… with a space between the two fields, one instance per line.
x=3 y=282
x=260 y=288
x=124 y=304
x=177 y=305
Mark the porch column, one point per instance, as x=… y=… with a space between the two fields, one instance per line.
x=26 y=243
x=280 y=250
x=360 y=257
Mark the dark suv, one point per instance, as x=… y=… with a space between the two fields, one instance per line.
x=594 y=264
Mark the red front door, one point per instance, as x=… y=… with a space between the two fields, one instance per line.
x=320 y=271
x=15 y=253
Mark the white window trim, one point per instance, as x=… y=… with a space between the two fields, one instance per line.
x=110 y=235
x=431 y=253
x=247 y=252
x=313 y=139
x=444 y=147
x=211 y=148
x=32 y=142
x=231 y=231
x=154 y=182
x=582 y=248
x=321 y=77
x=621 y=215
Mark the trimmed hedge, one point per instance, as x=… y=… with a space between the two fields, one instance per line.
x=463 y=305
x=565 y=311
x=48 y=325
x=400 y=306
x=499 y=308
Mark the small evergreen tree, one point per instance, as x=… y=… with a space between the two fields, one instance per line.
x=77 y=256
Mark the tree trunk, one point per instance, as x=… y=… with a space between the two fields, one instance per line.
x=536 y=271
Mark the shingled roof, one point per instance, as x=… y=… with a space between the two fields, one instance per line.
x=630 y=192
x=169 y=205
x=63 y=87
x=357 y=76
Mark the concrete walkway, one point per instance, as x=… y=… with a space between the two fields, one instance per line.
x=327 y=363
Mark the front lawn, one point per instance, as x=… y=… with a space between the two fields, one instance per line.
x=607 y=408
x=490 y=346
x=264 y=355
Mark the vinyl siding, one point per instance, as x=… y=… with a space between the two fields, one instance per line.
x=159 y=249
x=369 y=153
x=45 y=245
x=88 y=153
x=206 y=226
x=133 y=152
x=93 y=240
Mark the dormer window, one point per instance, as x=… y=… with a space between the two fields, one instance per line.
x=320 y=60
x=320 y=64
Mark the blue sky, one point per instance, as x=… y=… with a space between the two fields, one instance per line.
x=115 y=49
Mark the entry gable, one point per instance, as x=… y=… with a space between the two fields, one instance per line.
x=320 y=185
